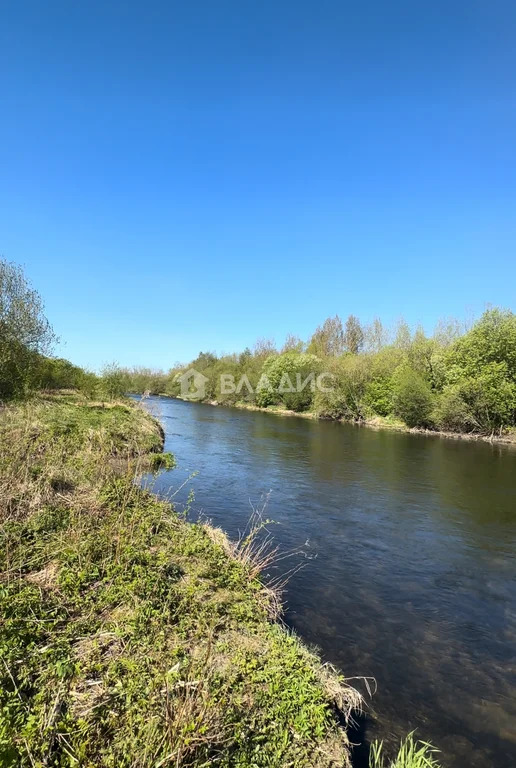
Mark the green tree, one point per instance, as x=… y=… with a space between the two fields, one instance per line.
x=402 y=335
x=424 y=357
x=490 y=397
x=376 y=336
x=491 y=340
x=115 y=381
x=452 y=413
x=344 y=397
x=289 y=380
x=353 y=335
x=328 y=339
x=25 y=333
x=58 y=373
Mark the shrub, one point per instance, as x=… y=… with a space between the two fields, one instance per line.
x=412 y=398
x=490 y=397
x=114 y=381
x=491 y=340
x=284 y=375
x=346 y=397
x=160 y=461
x=452 y=412
x=378 y=396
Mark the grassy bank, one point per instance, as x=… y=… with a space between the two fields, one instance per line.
x=128 y=636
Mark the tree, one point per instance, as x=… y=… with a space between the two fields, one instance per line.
x=343 y=395
x=328 y=339
x=485 y=401
x=25 y=333
x=115 y=381
x=353 y=335
x=292 y=344
x=288 y=379
x=376 y=336
x=245 y=356
x=263 y=348
x=423 y=355
x=204 y=360
x=491 y=340
x=447 y=331
x=402 y=336
x=452 y=413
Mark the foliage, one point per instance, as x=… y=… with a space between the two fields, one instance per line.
x=491 y=340
x=289 y=380
x=114 y=381
x=490 y=397
x=146 y=380
x=378 y=396
x=162 y=461
x=353 y=335
x=455 y=382
x=412 y=397
x=57 y=373
x=345 y=397
x=25 y=333
x=452 y=412
x=328 y=339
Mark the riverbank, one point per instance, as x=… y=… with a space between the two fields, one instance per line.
x=130 y=636
x=377 y=422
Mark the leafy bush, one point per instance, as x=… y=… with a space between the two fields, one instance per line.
x=491 y=340
x=490 y=396
x=114 y=381
x=452 y=412
x=289 y=380
x=378 y=396
x=345 y=398
x=412 y=398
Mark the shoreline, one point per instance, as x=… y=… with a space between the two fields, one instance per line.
x=143 y=616
x=376 y=423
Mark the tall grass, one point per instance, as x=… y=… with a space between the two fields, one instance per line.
x=411 y=754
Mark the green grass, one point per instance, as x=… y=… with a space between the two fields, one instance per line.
x=411 y=754
x=130 y=637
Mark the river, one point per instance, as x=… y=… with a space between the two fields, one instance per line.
x=408 y=544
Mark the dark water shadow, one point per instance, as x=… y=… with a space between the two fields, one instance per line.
x=357 y=735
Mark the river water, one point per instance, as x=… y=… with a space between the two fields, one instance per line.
x=409 y=551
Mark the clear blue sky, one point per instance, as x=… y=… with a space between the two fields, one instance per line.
x=178 y=176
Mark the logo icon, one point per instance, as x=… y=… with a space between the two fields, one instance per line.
x=193 y=385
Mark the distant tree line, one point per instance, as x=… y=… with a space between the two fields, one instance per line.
x=457 y=379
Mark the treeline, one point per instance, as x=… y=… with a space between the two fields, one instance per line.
x=461 y=380
x=457 y=379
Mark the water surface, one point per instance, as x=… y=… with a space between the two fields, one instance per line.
x=409 y=545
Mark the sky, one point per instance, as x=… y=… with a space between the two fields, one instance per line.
x=186 y=176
